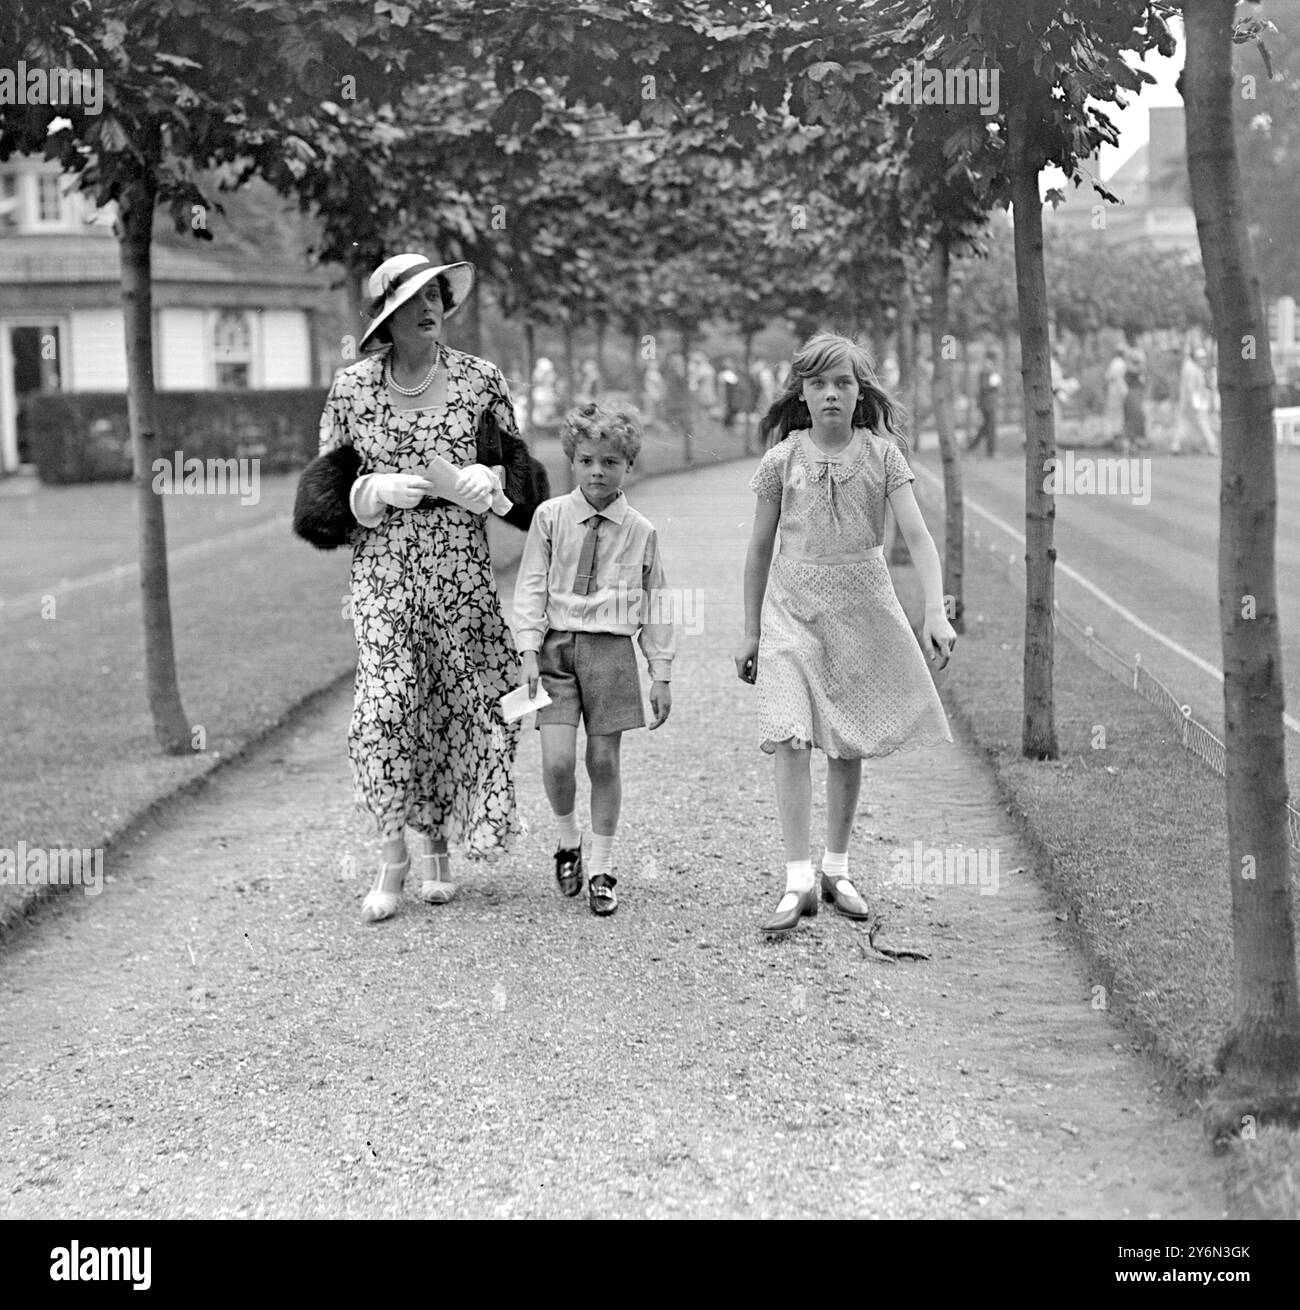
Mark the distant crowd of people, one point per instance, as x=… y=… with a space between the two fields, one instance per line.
x=1195 y=425
x=738 y=396
x=726 y=391
x=1124 y=411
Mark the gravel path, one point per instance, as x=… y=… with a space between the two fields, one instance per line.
x=219 y=1035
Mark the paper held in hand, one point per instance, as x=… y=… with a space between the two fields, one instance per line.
x=444 y=476
x=515 y=704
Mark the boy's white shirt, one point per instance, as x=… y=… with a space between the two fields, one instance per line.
x=537 y=611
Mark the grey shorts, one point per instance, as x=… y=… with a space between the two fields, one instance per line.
x=592 y=677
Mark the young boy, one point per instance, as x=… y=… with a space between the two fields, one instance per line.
x=588 y=581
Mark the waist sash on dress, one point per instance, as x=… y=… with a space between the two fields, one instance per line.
x=844 y=557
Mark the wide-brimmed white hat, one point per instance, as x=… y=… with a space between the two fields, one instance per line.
x=397 y=279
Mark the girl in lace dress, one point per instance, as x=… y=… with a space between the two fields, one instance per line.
x=826 y=642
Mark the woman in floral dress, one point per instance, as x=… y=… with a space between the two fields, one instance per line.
x=429 y=750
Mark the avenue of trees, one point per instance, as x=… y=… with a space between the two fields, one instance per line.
x=662 y=163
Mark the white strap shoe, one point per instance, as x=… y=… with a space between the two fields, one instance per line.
x=438 y=889
x=381 y=900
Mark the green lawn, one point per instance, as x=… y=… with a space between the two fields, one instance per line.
x=1135 y=838
x=258 y=626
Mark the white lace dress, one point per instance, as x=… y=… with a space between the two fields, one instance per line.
x=838 y=665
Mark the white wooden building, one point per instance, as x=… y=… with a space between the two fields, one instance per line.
x=219 y=321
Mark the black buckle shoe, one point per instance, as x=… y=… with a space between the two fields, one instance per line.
x=789 y=919
x=600 y=893
x=849 y=903
x=568 y=870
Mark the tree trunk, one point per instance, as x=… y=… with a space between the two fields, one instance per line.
x=1013 y=408
x=941 y=398
x=907 y=351
x=896 y=551
x=688 y=399
x=570 y=367
x=969 y=380
x=354 y=287
x=1039 y=724
x=919 y=407
x=135 y=232
x=636 y=375
x=530 y=365
x=750 y=390
x=602 y=328
x=469 y=324
x=1260 y=1055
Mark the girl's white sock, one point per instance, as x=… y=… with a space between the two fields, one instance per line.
x=798 y=879
x=602 y=854
x=570 y=836
x=835 y=865
x=798 y=876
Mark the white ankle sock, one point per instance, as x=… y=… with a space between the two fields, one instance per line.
x=570 y=835
x=602 y=854
x=799 y=876
x=798 y=879
x=835 y=865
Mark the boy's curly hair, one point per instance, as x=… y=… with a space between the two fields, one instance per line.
x=619 y=423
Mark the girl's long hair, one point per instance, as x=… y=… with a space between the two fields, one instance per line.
x=876 y=408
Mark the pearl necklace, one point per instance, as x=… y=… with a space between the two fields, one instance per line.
x=424 y=386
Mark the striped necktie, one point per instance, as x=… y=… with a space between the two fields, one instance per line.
x=586 y=576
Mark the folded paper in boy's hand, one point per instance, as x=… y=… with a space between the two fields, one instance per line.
x=445 y=476
x=515 y=704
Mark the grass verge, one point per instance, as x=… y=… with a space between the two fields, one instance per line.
x=1131 y=837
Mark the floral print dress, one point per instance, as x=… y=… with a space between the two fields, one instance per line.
x=428 y=746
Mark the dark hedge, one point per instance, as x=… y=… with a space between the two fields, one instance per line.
x=83 y=436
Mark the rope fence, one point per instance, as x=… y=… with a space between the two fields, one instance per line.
x=1194 y=735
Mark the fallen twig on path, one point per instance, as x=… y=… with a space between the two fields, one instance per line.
x=887 y=954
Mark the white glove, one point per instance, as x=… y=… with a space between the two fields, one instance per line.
x=476 y=488
x=501 y=503
x=476 y=482
x=372 y=491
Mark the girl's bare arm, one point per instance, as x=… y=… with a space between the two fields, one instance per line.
x=920 y=544
x=758 y=561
